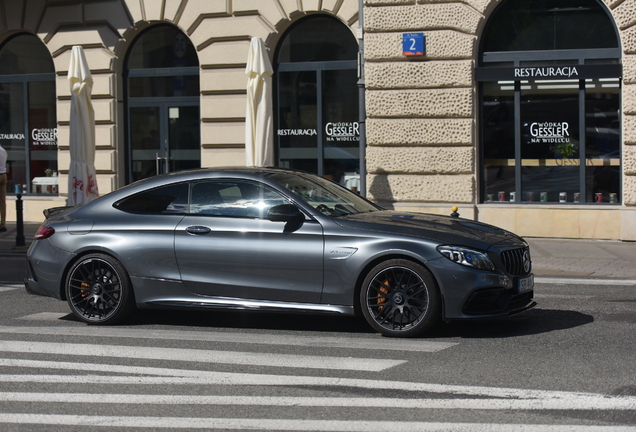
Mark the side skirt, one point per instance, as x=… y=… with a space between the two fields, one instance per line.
x=255 y=305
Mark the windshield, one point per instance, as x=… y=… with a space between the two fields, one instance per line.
x=327 y=197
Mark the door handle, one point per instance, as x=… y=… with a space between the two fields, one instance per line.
x=167 y=158
x=157 y=159
x=198 y=230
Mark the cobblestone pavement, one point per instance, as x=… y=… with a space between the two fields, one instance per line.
x=550 y=257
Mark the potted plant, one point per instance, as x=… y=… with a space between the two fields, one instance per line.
x=566 y=150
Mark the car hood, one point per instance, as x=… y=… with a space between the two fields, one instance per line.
x=438 y=229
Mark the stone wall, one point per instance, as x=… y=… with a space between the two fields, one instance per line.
x=420 y=111
x=624 y=14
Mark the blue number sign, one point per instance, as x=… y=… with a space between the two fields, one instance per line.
x=413 y=44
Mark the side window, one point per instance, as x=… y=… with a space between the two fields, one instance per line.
x=233 y=198
x=172 y=199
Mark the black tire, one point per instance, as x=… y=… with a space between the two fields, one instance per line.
x=400 y=298
x=98 y=290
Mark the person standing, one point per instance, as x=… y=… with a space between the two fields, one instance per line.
x=3 y=189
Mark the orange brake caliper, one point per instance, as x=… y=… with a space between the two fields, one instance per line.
x=385 y=290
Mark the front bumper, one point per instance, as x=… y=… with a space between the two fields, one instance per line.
x=469 y=293
x=498 y=301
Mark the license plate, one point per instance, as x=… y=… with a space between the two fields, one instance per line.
x=526 y=284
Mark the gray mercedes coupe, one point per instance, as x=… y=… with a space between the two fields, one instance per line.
x=274 y=240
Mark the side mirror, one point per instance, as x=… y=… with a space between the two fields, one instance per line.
x=285 y=213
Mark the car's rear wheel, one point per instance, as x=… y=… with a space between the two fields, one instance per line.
x=98 y=290
x=400 y=298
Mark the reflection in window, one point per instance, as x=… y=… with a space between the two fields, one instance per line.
x=549 y=132
x=499 y=140
x=25 y=54
x=317 y=38
x=162 y=47
x=28 y=125
x=602 y=144
x=549 y=25
x=233 y=199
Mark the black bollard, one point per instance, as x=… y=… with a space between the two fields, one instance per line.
x=454 y=213
x=19 y=237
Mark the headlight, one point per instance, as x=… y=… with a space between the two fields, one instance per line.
x=467 y=257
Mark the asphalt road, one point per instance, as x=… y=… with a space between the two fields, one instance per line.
x=12 y=267
x=566 y=365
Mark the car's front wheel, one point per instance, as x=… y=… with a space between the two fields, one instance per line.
x=400 y=298
x=98 y=290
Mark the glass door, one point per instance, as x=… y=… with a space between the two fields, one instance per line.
x=183 y=150
x=145 y=141
x=162 y=97
x=163 y=138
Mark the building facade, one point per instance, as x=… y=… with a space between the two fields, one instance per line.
x=522 y=114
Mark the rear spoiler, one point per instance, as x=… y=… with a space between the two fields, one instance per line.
x=55 y=211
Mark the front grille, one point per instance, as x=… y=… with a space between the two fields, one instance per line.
x=513 y=260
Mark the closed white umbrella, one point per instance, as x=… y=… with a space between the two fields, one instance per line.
x=259 y=123
x=82 y=184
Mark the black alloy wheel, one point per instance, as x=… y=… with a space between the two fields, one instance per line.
x=98 y=290
x=400 y=298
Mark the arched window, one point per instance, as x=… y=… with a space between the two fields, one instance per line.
x=162 y=95
x=550 y=84
x=28 y=121
x=317 y=100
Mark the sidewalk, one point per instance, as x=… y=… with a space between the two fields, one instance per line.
x=8 y=238
x=583 y=258
x=550 y=257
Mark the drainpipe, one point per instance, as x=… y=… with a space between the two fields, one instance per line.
x=361 y=103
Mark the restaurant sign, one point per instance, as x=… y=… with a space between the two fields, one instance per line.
x=343 y=131
x=548 y=72
x=548 y=132
x=44 y=137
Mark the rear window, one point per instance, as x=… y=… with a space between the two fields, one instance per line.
x=171 y=199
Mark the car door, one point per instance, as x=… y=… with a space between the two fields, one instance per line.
x=226 y=247
x=142 y=233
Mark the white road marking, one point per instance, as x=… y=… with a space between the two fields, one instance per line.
x=44 y=316
x=296 y=425
x=4 y=287
x=564 y=296
x=371 y=342
x=203 y=356
x=591 y=403
x=589 y=281
x=167 y=376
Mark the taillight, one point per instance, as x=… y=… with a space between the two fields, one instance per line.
x=44 y=232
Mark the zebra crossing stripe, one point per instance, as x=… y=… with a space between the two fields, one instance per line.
x=202 y=356
x=141 y=375
x=288 y=424
x=589 y=403
x=370 y=342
